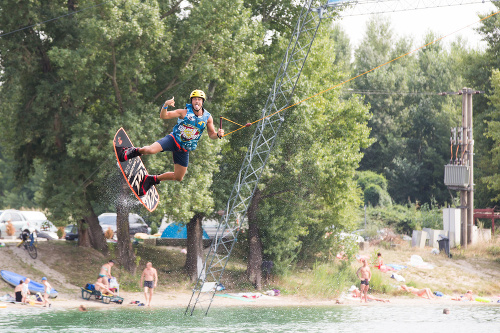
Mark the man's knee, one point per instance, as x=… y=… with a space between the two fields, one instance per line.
x=178 y=178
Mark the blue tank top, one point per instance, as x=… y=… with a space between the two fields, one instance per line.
x=188 y=130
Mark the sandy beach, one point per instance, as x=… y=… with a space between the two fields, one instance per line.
x=181 y=300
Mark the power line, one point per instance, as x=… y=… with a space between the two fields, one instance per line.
x=55 y=18
x=359 y=75
x=382 y=92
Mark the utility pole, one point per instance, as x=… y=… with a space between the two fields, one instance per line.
x=459 y=173
x=463 y=193
x=470 y=155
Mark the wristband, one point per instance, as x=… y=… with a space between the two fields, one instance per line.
x=164 y=108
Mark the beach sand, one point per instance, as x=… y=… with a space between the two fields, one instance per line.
x=181 y=300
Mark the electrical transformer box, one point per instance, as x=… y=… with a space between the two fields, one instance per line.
x=456 y=175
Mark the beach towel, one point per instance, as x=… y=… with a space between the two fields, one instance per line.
x=398 y=277
x=386 y=268
x=7 y=298
x=417 y=261
x=396 y=267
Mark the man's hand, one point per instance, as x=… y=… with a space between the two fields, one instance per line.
x=220 y=133
x=168 y=103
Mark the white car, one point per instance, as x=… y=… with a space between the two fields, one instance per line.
x=18 y=221
x=43 y=226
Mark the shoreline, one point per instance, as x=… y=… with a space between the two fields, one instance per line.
x=181 y=300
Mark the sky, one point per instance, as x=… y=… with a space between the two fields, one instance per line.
x=416 y=23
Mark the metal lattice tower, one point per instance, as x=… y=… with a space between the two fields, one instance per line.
x=267 y=130
x=256 y=157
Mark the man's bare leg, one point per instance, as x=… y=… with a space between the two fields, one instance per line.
x=365 y=290
x=179 y=170
x=151 y=149
x=178 y=174
x=146 y=294
x=150 y=296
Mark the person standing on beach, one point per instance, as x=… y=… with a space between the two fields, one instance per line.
x=18 y=291
x=365 y=275
x=149 y=280
x=105 y=273
x=46 y=292
x=25 y=291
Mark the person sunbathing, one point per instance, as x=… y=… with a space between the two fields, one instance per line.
x=424 y=292
x=467 y=297
x=357 y=293
x=99 y=286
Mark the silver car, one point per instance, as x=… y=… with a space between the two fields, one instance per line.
x=135 y=222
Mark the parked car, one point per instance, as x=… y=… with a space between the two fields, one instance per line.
x=135 y=222
x=71 y=231
x=18 y=221
x=44 y=228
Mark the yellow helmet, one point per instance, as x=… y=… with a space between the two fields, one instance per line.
x=198 y=93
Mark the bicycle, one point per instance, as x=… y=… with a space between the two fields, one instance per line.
x=28 y=240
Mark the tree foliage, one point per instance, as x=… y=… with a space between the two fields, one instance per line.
x=410 y=122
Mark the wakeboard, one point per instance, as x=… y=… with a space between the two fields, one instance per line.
x=134 y=172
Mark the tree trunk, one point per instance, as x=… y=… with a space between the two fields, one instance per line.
x=126 y=255
x=194 y=260
x=96 y=235
x=254 y=271
x=83 y=233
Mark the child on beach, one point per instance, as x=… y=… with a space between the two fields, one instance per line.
x=380 y=261
x=25 y=291
x=46 y=292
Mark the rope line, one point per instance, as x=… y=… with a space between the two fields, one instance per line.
x=355 y=77
x=232 y=121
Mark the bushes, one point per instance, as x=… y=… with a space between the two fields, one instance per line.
x=405 y=218
x=377 y=283
x=494 y=250
x=154 y=228
x=374 y=188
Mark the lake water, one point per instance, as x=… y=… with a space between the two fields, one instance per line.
x=386 y=318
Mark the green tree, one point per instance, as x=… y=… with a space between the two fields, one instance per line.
x=307 y=185
x=110 y=66
x=493 y=133
x=480 y=74
x=374 y=187
x=410 y=121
